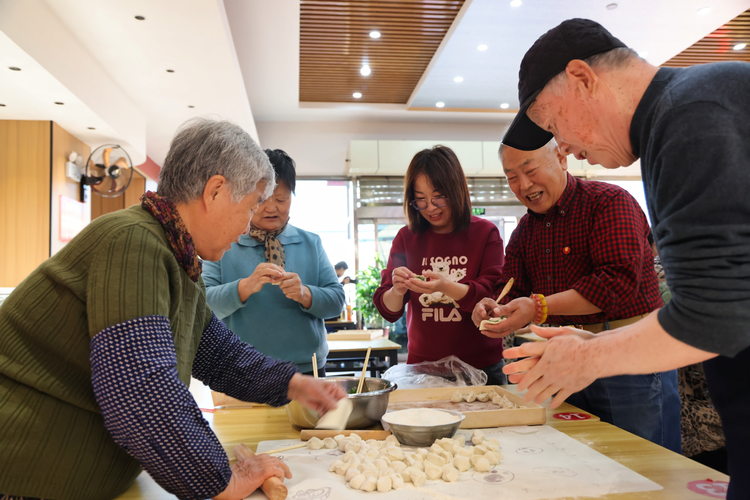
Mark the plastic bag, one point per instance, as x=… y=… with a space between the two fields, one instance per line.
x=447 y=372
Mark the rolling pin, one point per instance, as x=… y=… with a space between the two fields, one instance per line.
x=306 y=434
x=273 y=487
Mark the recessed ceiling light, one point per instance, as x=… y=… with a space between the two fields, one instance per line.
x=611 y=6
x=365 y=70
x=13 y=68
x=505 y=105
x=170 y=71
x=740 y=46
x=60 y=103
x=458 y=79
x=92 y=128
x=140 y=18
x=2 y=105
x=357 y=95
x=440 y=104
x=190 y=106
x=374 y=34
x=703 y=11
x=482 y=47
x=515 y=3
x=643 y=54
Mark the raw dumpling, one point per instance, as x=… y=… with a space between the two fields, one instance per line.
x=471 y=397
x=483 y=397
x=461 y=463
x=457 y=397
x=314 y=444
x=498 y=400
x=357 y=482
x=385 y=483
x=450 y=474
x=432 y=471
x=329 y=443
x=371 y=483
x=482 y=465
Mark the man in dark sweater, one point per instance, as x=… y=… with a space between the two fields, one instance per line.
x=691 y=129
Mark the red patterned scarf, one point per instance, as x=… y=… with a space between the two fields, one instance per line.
x=179 y=239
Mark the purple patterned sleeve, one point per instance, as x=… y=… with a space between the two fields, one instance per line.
x=229 y=365
x=150 y=413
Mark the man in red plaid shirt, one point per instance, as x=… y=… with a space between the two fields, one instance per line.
x=582 y=250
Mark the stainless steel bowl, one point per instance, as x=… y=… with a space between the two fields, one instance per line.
x=423 y=435
x=367 y=407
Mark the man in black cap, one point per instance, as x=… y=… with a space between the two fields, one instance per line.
x=691 y=129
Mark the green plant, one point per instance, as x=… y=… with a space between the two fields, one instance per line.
x=368 y=280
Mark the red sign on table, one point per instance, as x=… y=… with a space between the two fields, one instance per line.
x=572 y=416
x=709 y=487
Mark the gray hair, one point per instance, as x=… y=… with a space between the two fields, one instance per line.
x=551 y=145
x=203 y=148
x=605 y=61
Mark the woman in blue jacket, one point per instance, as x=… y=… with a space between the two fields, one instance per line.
x=276 y=286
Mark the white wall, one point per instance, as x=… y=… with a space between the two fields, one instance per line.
x=321 y=148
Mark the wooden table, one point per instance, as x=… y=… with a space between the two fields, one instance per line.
x=670 y=470
x=355 y=350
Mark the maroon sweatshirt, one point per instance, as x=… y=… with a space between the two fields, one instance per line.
x=438 y=326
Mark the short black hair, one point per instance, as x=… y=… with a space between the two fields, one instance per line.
x=284 y=166
x=341 y=265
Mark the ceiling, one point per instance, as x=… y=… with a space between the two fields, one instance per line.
x=248 y=60
x=719 y=45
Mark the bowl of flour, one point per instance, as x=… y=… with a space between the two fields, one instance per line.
x=422 y=426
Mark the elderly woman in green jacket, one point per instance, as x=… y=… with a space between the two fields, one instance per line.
x=98 y=344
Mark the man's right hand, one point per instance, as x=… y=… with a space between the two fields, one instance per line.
x=249 y=473
x=264 y=273
x=485 y=309
x=518 y=313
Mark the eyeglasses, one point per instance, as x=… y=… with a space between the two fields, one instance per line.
x=438 y=201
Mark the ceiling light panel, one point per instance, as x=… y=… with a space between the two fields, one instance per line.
x=336 y=37
x=717 y=46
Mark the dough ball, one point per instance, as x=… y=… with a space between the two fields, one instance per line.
x=395 y=453
x=423 y=452
x=450 y=474
x=372 y=454
x=461 y=463
x=386 y=472
x=367 y=466
x=446 y=443
x=432 y=471
x=498 y=400
x=341 y=469
x=418 y=478
x=314 y=444
x=357 y=482
x=371 y=483
x=384 y=484
x=473 y=459
x=480 y=449
x=482 y=397
x=410 y=459
x=348 y=457
x=351 y=473
x=380 y=464
x=419 y=465
x=398 y=466
x=492 y=458
x=407 y=474
x=482 y=465
x=434 y=459
x=374 y=443
x=493 y=442
x=436 y=448
x=355 y=447
x=338 y=438
x=397 y=480
x=460 y=439
x=465 y=452
x=477 y=437
x=392 y=439
x=371 y=473
x=471 y=397
x=355 y=437
x=335 y=464
x=329 y=443
x=457 y=397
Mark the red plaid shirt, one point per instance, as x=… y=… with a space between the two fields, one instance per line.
x=593 y=241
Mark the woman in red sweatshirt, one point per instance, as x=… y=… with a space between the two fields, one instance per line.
x=460 y=255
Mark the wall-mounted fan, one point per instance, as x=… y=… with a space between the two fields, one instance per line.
x=106 y=177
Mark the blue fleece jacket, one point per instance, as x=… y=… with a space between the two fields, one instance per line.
x=275 y=325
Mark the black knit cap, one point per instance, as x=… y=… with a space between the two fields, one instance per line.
x=550 y=55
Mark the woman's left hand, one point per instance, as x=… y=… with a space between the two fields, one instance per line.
x=316 y=394
x=293 y=288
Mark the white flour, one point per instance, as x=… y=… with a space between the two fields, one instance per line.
x=420 y=416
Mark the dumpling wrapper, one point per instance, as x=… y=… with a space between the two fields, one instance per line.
x=457 y=397
x=337 y=418
x=492 y=321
